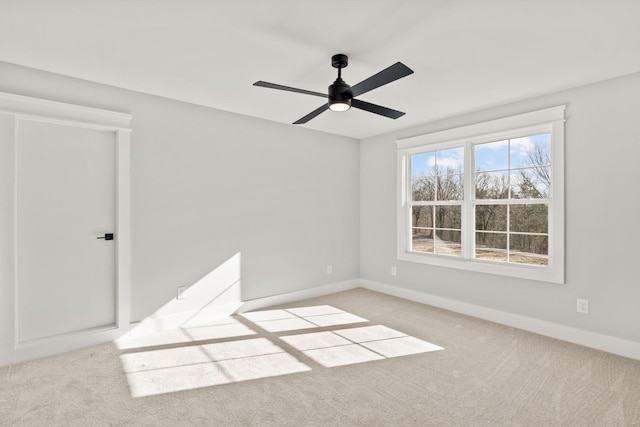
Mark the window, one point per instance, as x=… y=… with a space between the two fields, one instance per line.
x=487 y=197
x=512 y=195
x=437 y=182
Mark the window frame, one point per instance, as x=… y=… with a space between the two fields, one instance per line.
x=550 y=120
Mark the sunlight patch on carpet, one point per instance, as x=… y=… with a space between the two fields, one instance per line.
x=223 y=328
x=357 y=345
x=293 y=319
x=243 y=348
x=183 y=368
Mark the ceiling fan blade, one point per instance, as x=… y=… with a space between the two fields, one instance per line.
x=377 y=109
x=388 y=75
x=290 y=89
x=312 y=114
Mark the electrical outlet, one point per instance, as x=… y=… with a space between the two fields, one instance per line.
x=182 y=292
x=329 y=269
x=583 y=306
x=394 y=271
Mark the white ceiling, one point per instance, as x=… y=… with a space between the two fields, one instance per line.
x=466 y=55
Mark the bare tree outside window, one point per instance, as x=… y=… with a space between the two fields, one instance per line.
x=511 y=211
x=436 y=227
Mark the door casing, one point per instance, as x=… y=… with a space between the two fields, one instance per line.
x=13 y=109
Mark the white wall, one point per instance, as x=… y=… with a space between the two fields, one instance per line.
x=602 y=155
x=207 y=185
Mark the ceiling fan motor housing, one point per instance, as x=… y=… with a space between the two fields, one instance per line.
x=340 y=92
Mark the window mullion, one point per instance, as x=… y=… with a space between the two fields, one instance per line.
x=468 y=220
x=408 y=229
x=509 y=198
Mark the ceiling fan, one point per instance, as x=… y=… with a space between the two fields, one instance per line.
x=341 y=95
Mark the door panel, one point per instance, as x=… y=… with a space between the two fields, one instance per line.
x=65 y=200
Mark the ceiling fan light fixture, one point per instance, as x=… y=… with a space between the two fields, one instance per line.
x=339 y=96
x=340 y=105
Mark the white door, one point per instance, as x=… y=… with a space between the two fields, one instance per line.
x=65 y=201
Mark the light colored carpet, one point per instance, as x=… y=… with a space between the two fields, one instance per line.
x=339 y=360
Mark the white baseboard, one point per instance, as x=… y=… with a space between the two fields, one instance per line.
x=182 y=319
x=63 y=343
x=190 y=318
x=595 y=340
x=260 y=303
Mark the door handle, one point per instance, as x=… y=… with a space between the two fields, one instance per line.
x=107 y=236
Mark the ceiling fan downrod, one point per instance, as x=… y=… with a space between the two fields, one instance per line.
x=339 y=92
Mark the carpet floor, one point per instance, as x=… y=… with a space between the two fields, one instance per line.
x=354 y=358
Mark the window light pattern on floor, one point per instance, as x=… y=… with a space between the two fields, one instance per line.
x=216 y=329
x=243 y=348
x=356 y=345
x=184 y=368
x=301 y=318
x=338 y=347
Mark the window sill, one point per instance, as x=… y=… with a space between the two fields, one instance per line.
x=522 y=271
